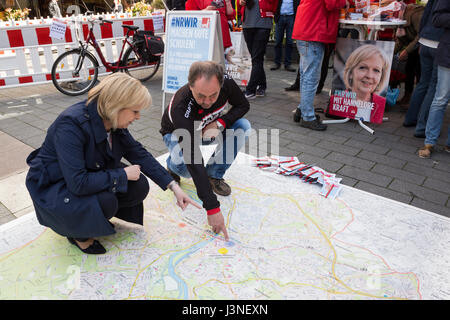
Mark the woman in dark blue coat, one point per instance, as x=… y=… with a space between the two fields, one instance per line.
x=76 y=179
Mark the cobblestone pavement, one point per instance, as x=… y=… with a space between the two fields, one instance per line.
x=385 y=163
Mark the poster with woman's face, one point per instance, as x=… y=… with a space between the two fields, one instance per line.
x=360 y=79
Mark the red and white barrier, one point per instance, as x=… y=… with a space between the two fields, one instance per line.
x=27 y=51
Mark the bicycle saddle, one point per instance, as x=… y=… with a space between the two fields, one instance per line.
x=133 y=28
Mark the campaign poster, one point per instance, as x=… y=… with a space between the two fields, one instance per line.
x=360 y=79
x=238 y=62
x=187 y=40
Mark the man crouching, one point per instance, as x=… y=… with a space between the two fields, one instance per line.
x=197 y=109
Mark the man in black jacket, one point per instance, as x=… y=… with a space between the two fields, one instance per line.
x=195 y=116
x=284 y=19
x=441 y=19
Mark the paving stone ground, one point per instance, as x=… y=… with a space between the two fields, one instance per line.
x=385 y=163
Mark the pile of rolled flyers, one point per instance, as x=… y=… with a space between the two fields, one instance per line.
x=291 y=166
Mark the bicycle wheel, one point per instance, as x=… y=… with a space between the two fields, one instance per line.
x=144 y=71
x=73 y=74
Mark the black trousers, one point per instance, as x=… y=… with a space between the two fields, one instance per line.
x=256 y=39
x=412 y=70
x=329 y=47
x=113 y=204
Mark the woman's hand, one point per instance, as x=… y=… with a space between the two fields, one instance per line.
x=242 y=2
x=183 y=199
x=133 y=172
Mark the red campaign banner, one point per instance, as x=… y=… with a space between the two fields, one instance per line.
x=360 y=79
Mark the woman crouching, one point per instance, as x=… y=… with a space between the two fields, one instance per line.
x=76 y=179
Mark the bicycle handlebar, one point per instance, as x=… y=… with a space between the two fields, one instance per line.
x=104 y=20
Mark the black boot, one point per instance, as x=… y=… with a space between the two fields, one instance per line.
x=297 y=115
x=296 y=85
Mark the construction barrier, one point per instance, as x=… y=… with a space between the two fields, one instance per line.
x=27 y=51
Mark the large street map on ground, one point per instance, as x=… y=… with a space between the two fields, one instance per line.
x=286 y=242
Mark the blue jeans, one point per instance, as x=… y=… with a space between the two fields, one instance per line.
x=233 y=140
x=424 y=92
x=438 y=106
x=311 y=56
x=284 y=23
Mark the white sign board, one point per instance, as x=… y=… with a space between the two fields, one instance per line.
x=190 y=36
x=58 y=29
x=158 y=21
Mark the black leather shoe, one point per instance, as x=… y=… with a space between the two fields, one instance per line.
x=290 y=69
x=297 y=115
x=292 y=88
x=315 y=124
x=275 y=67
x=407 y=125
x=94 y=248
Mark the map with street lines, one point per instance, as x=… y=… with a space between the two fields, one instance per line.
x=286 y=242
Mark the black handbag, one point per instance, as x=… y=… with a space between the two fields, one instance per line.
x=150 y=47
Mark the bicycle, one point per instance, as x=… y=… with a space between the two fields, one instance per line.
x=75 y=71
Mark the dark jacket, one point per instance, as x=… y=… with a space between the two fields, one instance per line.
x=176 y=4
x=427 y=30
x=280 y=2
x=441 y=19
x=413 y=17
x=74 y=164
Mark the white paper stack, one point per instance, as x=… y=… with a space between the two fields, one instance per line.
x=291 y=166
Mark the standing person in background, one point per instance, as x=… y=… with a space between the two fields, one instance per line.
x=176 y=4
x=284 y=19
x=118 y=7
x=441 y=19
x=226 y=11
x=257 y=21
x=423 y=93
x=406 y=46
x=54 y=9
x=316 y=24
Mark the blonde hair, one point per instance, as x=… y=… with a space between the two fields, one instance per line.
x=363 y=53
x=116 y=92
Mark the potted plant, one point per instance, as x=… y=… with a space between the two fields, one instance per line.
x=140 y=9
x=16 y=14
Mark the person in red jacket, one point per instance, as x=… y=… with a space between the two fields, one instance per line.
x=316 y=24
x=226 y=13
